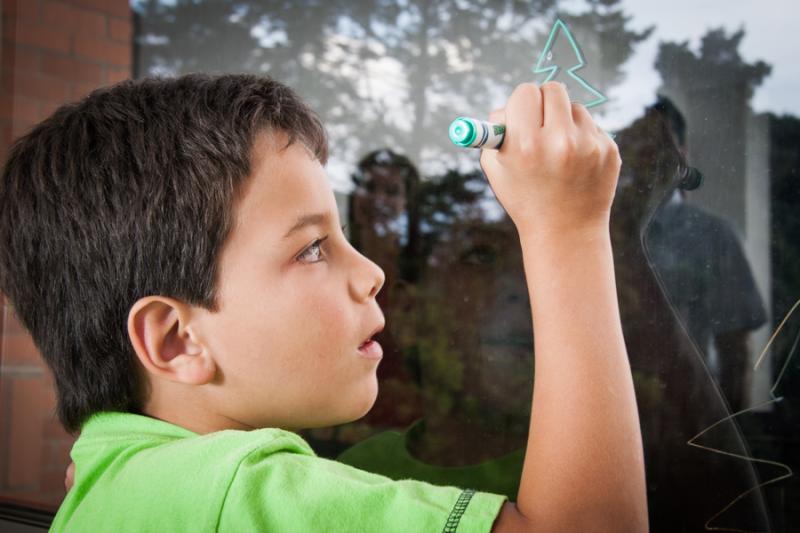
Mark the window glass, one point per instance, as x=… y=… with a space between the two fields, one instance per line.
x=704 y=224
x=705 y=230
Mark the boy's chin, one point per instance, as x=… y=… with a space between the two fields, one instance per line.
x=359 y=409
x=350 y=407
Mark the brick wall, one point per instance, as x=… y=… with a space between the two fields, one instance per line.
x=53 y=52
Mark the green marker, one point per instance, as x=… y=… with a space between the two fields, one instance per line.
x=473 y=133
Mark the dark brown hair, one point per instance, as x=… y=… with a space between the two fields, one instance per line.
x=128 y=193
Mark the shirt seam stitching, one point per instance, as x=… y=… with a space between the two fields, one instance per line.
x=459 y=508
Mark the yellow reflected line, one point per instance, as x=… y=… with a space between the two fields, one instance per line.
x=769 y=343
x=788 y=471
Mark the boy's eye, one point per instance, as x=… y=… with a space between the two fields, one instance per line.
x=314 y=250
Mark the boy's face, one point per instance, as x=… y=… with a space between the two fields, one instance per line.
x=291 y=314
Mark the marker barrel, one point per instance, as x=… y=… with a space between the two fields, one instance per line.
x=473 y=133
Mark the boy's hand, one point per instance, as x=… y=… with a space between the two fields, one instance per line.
x=557 y=170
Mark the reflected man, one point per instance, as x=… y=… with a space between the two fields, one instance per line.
x=700 y=260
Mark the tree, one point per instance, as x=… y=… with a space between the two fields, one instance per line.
x=380 y=72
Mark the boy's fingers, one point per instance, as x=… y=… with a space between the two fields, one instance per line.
x=583 y=119
x=608 y=149
x=557 y=107
x=488 y=161
x=524 y=114
x=581 y=116
x=498 y=116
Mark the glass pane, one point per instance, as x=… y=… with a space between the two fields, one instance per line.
x=706 y=275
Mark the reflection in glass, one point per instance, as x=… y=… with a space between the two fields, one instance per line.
x=677 y=396
x=476 y=382
x=700 y=260
x=699 y=298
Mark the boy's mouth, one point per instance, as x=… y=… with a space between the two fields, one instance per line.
x=371 y=350
x=374 y=332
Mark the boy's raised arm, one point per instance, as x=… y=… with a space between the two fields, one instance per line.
x=556 y=175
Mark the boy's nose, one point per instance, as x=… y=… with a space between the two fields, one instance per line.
x=368 y=278
x=379 y=278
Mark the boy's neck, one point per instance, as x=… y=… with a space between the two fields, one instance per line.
x=197 y=419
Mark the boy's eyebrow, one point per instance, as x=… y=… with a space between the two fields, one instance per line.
x=317 y=219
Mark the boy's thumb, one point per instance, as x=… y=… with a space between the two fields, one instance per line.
x=489 y=163
x=498 y=116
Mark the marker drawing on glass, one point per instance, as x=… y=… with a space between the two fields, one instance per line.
x=475 y=133
x=548 y=62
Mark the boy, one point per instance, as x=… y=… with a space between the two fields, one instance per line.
x=173 y=247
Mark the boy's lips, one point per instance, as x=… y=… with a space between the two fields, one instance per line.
x=370 y=348
x=375 y=331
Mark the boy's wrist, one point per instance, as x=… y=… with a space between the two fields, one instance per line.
x=542 y=237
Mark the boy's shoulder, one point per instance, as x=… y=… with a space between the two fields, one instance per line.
x=137 y=473
x=107 y=431
x=127 y=463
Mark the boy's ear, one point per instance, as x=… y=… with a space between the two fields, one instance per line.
x=160 y=331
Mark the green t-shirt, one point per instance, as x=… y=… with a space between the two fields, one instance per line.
x=136 y=473
x=387 y=454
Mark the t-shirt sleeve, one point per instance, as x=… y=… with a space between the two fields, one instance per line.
x=295 y=492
